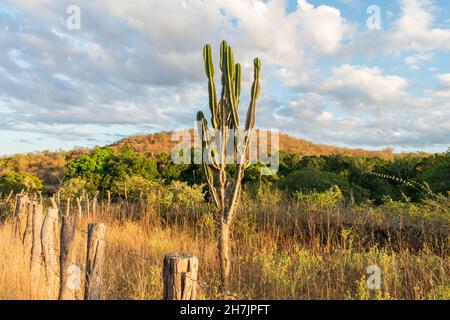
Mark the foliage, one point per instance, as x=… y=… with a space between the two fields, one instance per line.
x=310 y=179
x=72 y=188
x=184 y=194
x=137 y=187
x=90 y=168
x=18 y=181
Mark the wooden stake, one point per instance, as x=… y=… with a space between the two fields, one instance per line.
x=180 y=272
x=70 y=284
x=79 y=206
x=49 y=245
x=36 y=248
x=94 y=261
x=20 y=218
x=28 y=232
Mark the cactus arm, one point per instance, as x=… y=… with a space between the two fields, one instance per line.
x=203 y=128
x=251 y=113
x=206 y=140
x=237 y=82
x=210 y=180
x=209 y=69
x=230 y=87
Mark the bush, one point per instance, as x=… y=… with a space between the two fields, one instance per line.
x=73 y=188
x=18 y=181
x=327 y=199
x=310 y=179
x=136 y=187
x=183 y=194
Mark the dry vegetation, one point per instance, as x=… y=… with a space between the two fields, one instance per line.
x=311 y=247
x=49 y=166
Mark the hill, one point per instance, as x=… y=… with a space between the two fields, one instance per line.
x=162 y=142
x=49 y=165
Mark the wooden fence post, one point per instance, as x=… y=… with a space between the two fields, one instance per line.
x=36 y=248
x=80 y=211
x=88 y=206
x=27 y=238
x=94 y=261
x=20 y=216
x=49 y=245
x=109 y=199
x=180 y=271
x=70 y=280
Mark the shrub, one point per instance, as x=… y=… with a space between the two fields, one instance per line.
x=327 y=199
x=182 y=193
x=310 y=179
x=73 y=188
x=136 y=187
x=18 y=181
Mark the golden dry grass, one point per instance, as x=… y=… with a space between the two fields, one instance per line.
x=281 y=250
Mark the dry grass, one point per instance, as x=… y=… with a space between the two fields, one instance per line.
x=313 y=248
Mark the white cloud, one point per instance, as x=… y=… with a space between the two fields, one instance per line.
x=413 y=31
x=443 y=89
x=414 y=61
x=364 y=85
x=139 y=63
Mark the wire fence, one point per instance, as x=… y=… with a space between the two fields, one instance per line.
x=136 y=254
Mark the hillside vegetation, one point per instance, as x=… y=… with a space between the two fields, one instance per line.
x=49 y=166
x=307 y=232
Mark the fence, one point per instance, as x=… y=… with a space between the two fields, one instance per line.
x=41 y=233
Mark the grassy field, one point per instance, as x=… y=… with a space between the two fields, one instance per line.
x=313 y=246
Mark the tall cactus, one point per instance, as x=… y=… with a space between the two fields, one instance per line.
x=225 y=190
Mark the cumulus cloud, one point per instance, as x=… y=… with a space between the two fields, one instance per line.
x=413 y=31
x=137 y=65
x=356 y=85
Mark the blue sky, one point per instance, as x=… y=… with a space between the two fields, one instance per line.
x=135 y=67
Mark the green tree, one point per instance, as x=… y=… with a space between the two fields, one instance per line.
x=90 y=168
x=18 y=181
x=438 y=176
x=311 y=179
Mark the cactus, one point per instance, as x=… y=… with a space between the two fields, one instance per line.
x=225 y=191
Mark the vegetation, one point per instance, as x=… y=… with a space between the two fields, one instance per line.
x=301 y=246
x=17 y=182
x=310 y=231
x=225 y=191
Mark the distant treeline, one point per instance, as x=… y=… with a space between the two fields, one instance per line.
x=359 y=178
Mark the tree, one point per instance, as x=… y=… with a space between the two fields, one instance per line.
x=438 y=176
x=311 y=179
x=18 y=181
x=225 y=190
x=90 y=168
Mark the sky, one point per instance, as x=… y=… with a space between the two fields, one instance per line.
x=371 y=74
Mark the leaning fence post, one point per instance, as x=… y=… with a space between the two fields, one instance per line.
x=180 y=272
x=70 y=280
x=36 y=248
x=49 y=231
x=94 y=261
